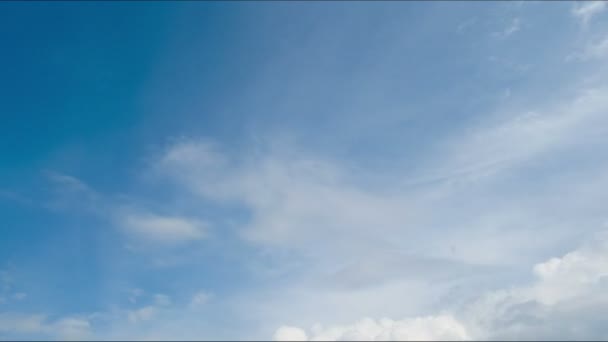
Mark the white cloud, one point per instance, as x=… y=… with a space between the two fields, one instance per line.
x=18 y=323
x=511 y=139
x=317 y=207
x=37 y=325
x=594 y=50
x=586 y=10
x=443 y=328
x=163 y=229
x=291 y=200
x=68 y=182
x=572 y=274
x=162 y=300
x=160 y=303
x=287 y=333
x=512 y=28
x=142 y=314
x=337 y=224
x=73 y=329
x=560 y=303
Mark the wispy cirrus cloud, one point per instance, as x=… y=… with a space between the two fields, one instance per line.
x=163 y=229
x=586 y=10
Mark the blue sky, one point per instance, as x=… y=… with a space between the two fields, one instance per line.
x=292 y=170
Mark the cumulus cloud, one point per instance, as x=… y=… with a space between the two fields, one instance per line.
x=443 y=327
x=73 y=329
x=573 y=274
x=160 y=302
x=566 y=300
x=559 y=304
x=287 y=333
x=142 y=314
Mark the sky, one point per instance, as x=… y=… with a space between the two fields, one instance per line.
x=303 y=170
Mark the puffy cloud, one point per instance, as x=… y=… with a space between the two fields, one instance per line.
x=575 y=274
x=287 y=333
x=142 y=314
x=73 y=329
x=566 y=300
x=443 y=327
x=560 y=304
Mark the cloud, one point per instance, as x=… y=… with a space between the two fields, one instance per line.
x=17 y=323
x=323 y=228
x=287 y=333
x=559 y=304
x=291 y=199
x=319 y=208
x=142 y=314
x=586 y=10
x=125 y=213
x=160 y=303
x=163 y=229
x=573 y=274
x=510 y=139
x=162 y=300
x=67 y=182
x=73 y=329
x=566 y=300
x=39 y=325
x=512 y=28
x=443 y=328
x=593 y=51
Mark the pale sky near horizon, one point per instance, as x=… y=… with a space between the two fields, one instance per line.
x=303 y=170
